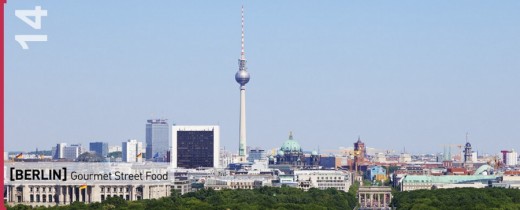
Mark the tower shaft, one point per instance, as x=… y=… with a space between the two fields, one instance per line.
x=242 y=151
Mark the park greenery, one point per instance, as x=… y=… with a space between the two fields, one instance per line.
x=459 y=198
x=260 y=198
x=293 y=198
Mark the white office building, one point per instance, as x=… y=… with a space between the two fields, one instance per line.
x=323 y=179
x=512 y=158
x=59 y=151
x=132 y=151
x=72 y=152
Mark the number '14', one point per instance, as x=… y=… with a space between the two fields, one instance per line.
x=24 y=15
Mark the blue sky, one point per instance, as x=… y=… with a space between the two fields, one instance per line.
x=397 y=73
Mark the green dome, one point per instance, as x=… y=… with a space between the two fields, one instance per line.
x=314 y=153
x=280 y=153
x=290 y=145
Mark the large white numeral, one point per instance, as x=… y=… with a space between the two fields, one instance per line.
x=37 y=13
x=23 y=39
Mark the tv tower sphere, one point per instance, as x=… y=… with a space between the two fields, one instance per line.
x=242 y=77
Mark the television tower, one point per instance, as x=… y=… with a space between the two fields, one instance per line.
x=242 y=77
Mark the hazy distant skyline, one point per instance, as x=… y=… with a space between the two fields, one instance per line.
x=400 y=74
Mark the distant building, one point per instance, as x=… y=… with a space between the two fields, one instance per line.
x=468 y=156
x=132 y=151
x=290 y=153
x=380 y=157
x=418 y=182
x=405 y=158
x=327 y=162
x=100 y=148
x=314 y=160
x=72 y=152
x=195 y=146
x=59 y=151
x=377 y=173
x=474 y=157
x=239 y=182
x=512 y=158
x=115 y=148
x=157 y=139
x=360 y=152
x=256 y=154
x=467 y=152
x=323 y=179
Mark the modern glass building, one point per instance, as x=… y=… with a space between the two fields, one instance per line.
x=100 y=148
x=157 y=139
x=195 y=146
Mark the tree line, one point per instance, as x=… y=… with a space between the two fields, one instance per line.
x=458 y=198
x=260 y=198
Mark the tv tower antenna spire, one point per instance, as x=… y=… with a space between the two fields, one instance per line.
x=242 y=53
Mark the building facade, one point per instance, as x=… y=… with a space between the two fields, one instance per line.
x=132 y=151
x=257 y=154
x=65 y=192
x=100 y=148
x=323 y=179
x=157 y=139
x=360 y=153
x=72 y=152
x=418 y=182
x=377 y=173
x=195 y=146
x=59 y=151
x=290 y=153
x=41 y=194
x=512 y=158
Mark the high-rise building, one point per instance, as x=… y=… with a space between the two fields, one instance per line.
x=100 y=148
x=59 y=152
x=132 y=151
x=195 y=146
x=157 y=139
x=512 y=158
x=72 y=152
x=242 y=77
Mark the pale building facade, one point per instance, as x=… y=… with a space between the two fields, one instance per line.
x=323 y=179
x=132 y=151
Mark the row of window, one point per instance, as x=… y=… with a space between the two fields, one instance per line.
x=322 y=181
x=115 y=189
x=127 y=197
x=43 y=198
x=43 y=189
x=326 y=177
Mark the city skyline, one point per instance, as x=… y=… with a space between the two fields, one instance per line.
x=403 y=75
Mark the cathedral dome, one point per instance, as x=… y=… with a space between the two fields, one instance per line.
x=290 y=145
